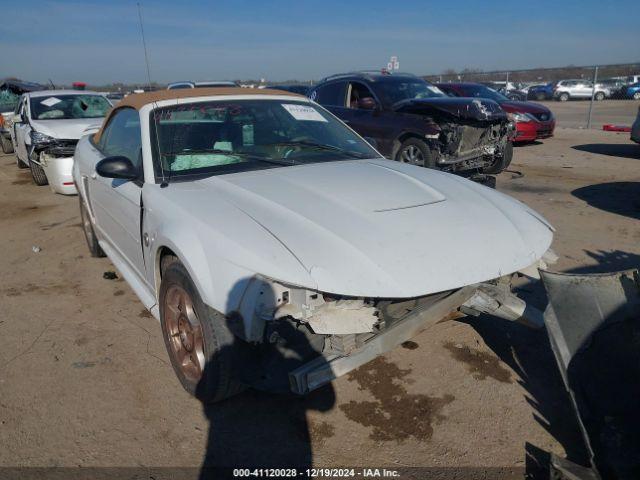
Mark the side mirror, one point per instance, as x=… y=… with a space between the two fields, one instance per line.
x=117 y=167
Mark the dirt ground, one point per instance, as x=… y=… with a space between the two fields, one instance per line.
x=85 y=379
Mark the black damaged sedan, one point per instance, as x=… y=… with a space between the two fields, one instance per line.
x=412 y=121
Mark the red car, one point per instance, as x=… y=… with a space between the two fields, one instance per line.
x=533 y=121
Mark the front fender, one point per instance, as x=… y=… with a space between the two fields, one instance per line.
x=222 y=251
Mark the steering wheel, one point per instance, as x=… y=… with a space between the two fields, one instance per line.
x=289 y=149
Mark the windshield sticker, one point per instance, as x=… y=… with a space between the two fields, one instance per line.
x=50 y=102
x=302 y=112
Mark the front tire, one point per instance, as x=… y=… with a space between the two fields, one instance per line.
x=415 y=152
x=500 y=163
x=199 y=343
x=20 y=163
x=599 y=96
x=37 y=172
x=7 y=146
x=89 y=232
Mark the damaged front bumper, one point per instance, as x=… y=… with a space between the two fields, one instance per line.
x=477 y=299
x=56 y=158
x=331 y=335
x=593 y=323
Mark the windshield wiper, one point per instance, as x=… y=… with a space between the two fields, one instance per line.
x=321 y=146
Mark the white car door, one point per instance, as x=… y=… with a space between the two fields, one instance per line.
x=116 y=202
x=21 y=129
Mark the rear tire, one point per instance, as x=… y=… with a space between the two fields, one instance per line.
x=37 y=172
x=7 y=146
x=599 y=96
x=636 y=96
x=89 y=232
x=502 y=162
x=563 y=97
x=199 y=343
x=415 y=152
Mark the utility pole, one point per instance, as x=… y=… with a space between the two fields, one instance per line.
x=593 y=93
x=144 y=45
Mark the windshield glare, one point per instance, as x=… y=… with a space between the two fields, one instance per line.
x=229 y=136
x=481 y=91
x=66 y=107
x=395 y=90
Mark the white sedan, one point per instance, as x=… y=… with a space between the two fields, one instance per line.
x=277 y=248
x=46 y=129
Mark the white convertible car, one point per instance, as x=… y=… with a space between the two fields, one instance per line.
x=46 y=129
x=277 y=248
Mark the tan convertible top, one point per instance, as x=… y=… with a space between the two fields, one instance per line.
x=139 y=100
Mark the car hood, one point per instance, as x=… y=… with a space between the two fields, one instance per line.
x=368 y=228
x=524 y=107
x=65 y=129
x=459 y=108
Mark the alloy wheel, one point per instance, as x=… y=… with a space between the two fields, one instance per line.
x=413 y=155
x=184 y=332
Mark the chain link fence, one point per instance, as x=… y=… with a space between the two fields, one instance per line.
x=588 y=94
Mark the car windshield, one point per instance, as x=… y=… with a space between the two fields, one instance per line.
x=8 y=101
x=66 y=107
x=394 y=90
x=480 y=91
x=218 y=137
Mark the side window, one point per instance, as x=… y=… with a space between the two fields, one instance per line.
x=361 y=97
x=122 y=136
x=331 y=94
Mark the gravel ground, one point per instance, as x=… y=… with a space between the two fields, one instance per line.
x=574 y=113
x=85 y=379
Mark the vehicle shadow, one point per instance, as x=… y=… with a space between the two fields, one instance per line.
x=622 y=198
x=259 y=429
x=626 y=150
x=527 y=143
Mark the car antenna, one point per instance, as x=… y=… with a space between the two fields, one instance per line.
x=144 y=46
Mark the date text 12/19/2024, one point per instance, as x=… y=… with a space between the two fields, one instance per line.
x=316 y=473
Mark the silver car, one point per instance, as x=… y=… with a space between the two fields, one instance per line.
x=46 y=128
x=568 y=89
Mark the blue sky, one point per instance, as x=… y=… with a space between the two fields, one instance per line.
x=99 y=42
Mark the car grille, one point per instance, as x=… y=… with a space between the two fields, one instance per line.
x=63 y=147
x=542 y=117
